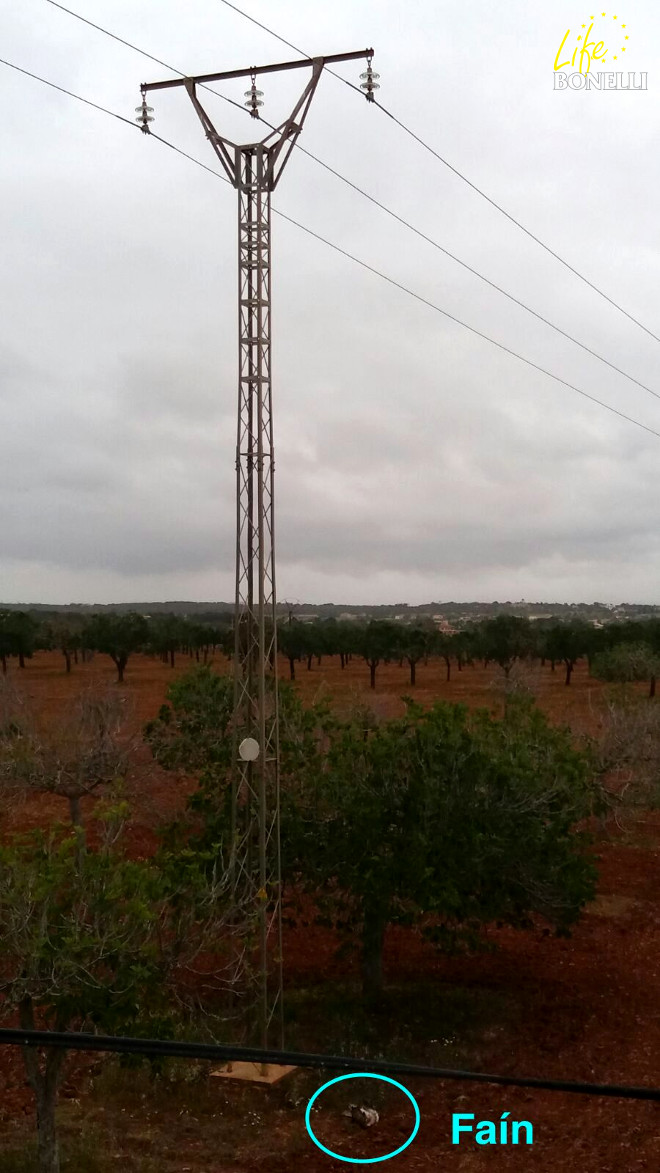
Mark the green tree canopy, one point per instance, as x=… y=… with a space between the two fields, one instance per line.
x=505 y=639
x=194 y=731
x=415 y=644
x=443 y=813
x=118 y=636
x=18 y=633
x=567 y=642
x=98 y=941
x=167 y=634
x=627 y=662
x=296 y=640
x=379 y=641
x=63 y=633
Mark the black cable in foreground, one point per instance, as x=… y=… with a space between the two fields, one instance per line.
x=217 y=1052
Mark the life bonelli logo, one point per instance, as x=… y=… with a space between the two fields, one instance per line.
x=596 y=52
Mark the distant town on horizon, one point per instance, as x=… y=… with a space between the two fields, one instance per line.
x=452 y=611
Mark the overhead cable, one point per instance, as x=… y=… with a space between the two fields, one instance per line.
x=417 y=138
x=366 y=195
x=219 y=1052
x=350 y=256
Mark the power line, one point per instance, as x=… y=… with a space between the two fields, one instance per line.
x=121 y=1045
x=465 y=179
x=290 y=45
x=69 y=93
x=114 y=36
x=366 y=195
x=363 y=264
x=517 y=223
x=473 y=330
x=105 y=110
x=481 y=276
x=129 y=45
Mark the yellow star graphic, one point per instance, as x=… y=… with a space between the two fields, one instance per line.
x=614 y=18
x=584 y=26
x=615 y=58
x=603 y=14
x=624 y=49
x=627 y=38
x=623 y=26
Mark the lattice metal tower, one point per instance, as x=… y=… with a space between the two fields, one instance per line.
x=254 y=169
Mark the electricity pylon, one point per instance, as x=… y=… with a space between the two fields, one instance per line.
x=255 y=169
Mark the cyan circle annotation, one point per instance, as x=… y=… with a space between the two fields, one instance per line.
x=363 y=1160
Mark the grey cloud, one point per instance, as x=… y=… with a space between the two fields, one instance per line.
x=411 y=456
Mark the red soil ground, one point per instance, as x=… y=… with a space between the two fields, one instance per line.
x=585 y=1008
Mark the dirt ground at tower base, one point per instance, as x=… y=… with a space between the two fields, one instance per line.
x=584 y=1008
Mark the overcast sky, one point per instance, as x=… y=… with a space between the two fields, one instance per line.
x=415 y=461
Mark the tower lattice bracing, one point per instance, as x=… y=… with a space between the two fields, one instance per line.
x=254 y=169
x=256 y=783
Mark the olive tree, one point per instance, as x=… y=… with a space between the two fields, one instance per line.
x=443 y=645
x=118 y=636
x=628 y=662
x=415 y=645
x=505 y=639
x=377 y=642
x=294 y=641
x=567 y=642
x=167 y=635
x=18 y=632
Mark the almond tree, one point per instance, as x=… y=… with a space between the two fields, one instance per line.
x=85 y=750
